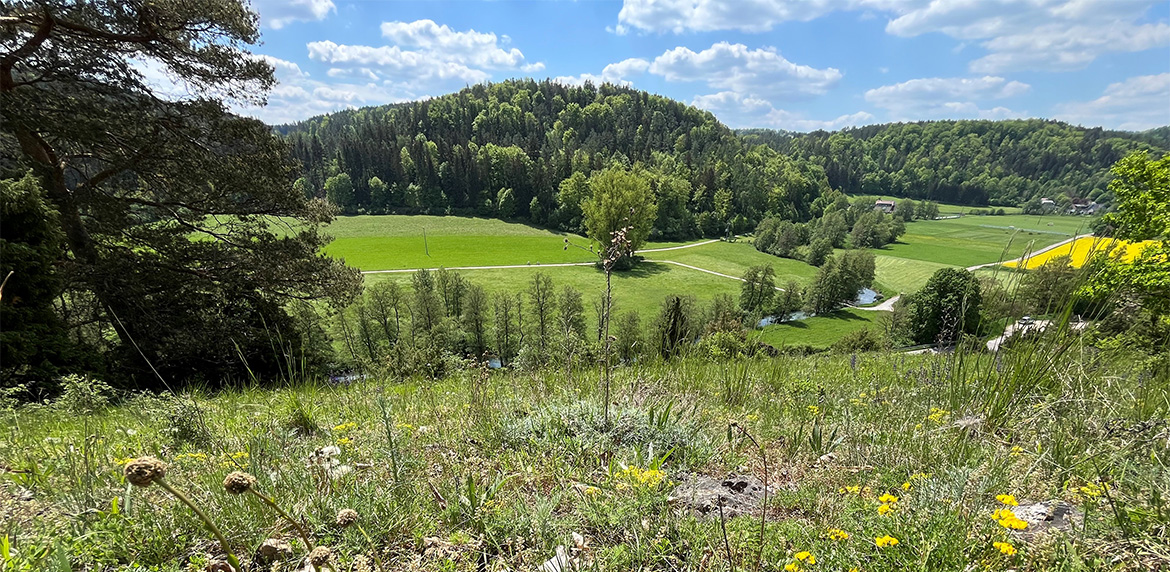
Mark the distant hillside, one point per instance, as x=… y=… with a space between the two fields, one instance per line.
x=459 y=152
x=971 y=162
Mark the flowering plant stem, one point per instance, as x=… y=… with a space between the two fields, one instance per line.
x=300 y=529
x=374 y=549
x=232 y=560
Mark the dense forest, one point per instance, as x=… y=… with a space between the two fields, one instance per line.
x=1000 y=163
x=524 y=148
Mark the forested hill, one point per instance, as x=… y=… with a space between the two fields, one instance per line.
x=973 y=162
x=524 y=149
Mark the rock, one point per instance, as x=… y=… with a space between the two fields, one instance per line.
x=737 y=494
x=1048 y=516
x=274 y=549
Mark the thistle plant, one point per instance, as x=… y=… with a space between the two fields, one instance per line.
x=619 y=246
x=145 y=471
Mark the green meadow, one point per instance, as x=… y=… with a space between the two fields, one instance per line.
x=818 y=332
x=972 y=240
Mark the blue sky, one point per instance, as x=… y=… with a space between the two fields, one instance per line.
x=798 y=65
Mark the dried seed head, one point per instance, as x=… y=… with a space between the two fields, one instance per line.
x=346 y=517
x=238 y=482
x=144 y=470
x=320 y=555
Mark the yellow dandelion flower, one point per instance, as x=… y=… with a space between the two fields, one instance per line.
x=885 y=541
x=1008 y=500
x=1005 y=548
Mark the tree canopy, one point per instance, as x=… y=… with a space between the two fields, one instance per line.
x=175 y=213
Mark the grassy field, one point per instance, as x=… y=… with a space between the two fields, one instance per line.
x=495 y=471
x=818 y=331
x=903 y=275
x=973 y=240
x=734 y=259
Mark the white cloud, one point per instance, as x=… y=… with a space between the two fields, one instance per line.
x=422 y=59
x=395 y=63
x=740 y=111
x=471 y=47
x=934 y=98
x=1135 y=104
x=615 y=73
x=1017 y=34
x=734 y=67
x=277 y=14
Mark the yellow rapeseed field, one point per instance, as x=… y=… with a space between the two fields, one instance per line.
x=1082 y=249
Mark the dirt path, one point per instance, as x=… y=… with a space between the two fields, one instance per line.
x=563 y=264
x=887 y=306
x=1034 y=253
x=692 y=245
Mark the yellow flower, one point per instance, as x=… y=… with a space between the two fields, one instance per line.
x=1008 y=519
x=1005 y=548
x=120 y=461
x=850 y=490
x=1008 y=500
x=837 y=534
x=344 y=427
x=592 y=491
x=1016 y=451
x=751 y=418
x=906 y=486
x=805 y=556
x=888 y=498
x=791 y=567
x=814 y=409
x=884 y=509
x=344 y=441
x=648 y=478
x=885 y=541
x=937 y=414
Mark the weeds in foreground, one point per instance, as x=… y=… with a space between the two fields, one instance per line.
x=541 y=465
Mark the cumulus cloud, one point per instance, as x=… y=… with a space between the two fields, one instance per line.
x=277 y=14
x=933 y=98
x=745 y=111
x=1017 y=34
x=421 y=59
x=423 y=56
x=616 y=73
x=1136 y=104
x=760 y=73
x=471 y=47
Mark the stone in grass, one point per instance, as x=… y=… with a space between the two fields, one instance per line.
x=1048 y=516
x=737 y=494
x=272 y=550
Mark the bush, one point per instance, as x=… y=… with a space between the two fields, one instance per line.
x=81 y=394
x=865 y=340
